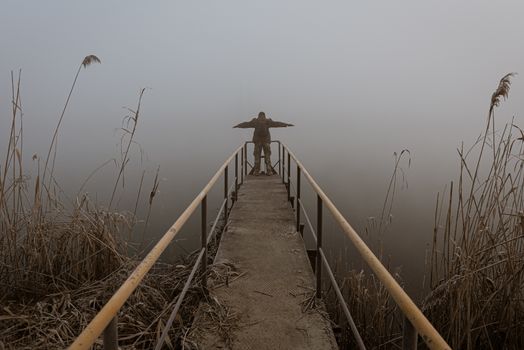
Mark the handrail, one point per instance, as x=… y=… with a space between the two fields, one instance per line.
x=426 y=330
x=106 y=318
x=97 y=325
x=181 y=296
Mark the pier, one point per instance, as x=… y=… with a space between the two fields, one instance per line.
x=274 y=300
x=276 y=279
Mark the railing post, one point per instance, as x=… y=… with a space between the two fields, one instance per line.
x=245 y=157
x=283 y=164
x=409 y=335
x=279 y=160
x=241 y=167
x=203 y=226
x=298 y=198
x=236 y=177
x=318 y=266
x=111 y=335
x=225 y=191
x=288 y=176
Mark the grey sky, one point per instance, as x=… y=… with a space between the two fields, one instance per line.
x=374 y=65
x=358 y=79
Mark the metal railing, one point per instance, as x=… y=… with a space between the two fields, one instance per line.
x=106 y=320
x=415 y=323
x=263 y=156
x=414 y=320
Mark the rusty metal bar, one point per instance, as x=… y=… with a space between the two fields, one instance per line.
x=202 y=255
x=308 y=222
x=211 y=233
x=342 y=302
x=409 y=336
x=180 y=298
x=318 y=270
x=182 y=294
x=421 y=324
x=298 y=198
x=283 y=164
x=279 y=160
x=288 y=168
x=110 y=309
x=111 y=335
x=241 y=168
x=288 y=182
x=245 y=157
x=203 y=226
x=236 y=177
x=334 y=283
x=225 y=190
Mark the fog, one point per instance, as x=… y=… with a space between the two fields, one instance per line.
x=359 y=80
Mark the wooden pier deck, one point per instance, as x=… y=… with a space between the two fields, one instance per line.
x=263 y=303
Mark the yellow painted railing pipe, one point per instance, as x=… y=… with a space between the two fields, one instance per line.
x=429 y=334
x=95 y=328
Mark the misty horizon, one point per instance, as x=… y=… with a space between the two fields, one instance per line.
x=358 y=81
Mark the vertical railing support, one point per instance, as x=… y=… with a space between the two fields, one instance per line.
x=409 y=336
x=236 y=177
x=288 y=176
x=279 y=160
x=318 y=265
x=283 y=164
x=111 y=335
x=298 y=198
x=225 y=191
x=203 y=227
x=241 y=168
x=245 y=158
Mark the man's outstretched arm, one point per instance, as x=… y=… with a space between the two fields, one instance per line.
x=275 y=124
x=245 y=125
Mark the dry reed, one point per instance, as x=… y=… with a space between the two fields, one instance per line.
x=476 y=266
x=375 y=313
x=59 y=263
x=477 y=259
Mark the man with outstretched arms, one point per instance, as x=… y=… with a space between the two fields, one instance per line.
x=262 y=139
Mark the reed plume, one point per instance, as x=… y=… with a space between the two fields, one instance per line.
x=60 y=262
x=502 y=91
x=87 y=61
x=477 y=260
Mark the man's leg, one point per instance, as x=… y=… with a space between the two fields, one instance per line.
x=257 y=153
x=267 y=158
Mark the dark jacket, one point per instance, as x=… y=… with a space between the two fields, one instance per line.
x=262 y=125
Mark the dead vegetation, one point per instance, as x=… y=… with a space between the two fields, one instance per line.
x=61 y=261
x=477 y=260
x=374 y=312
x=476 y=265
x=214 y=318
x=54 y=320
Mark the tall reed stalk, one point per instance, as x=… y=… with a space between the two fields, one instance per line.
x=59 y=262
x=44 y=250
x=477 y=260
x=374 y=311
x=87 y=61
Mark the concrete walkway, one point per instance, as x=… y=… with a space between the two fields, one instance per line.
x=262 y=304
